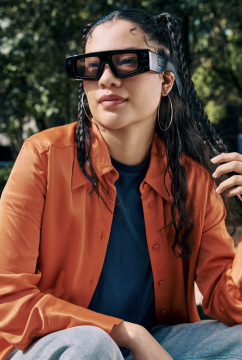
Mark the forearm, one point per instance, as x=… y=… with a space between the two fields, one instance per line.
x=125 y=334
x=140 y=342
x=36 y=314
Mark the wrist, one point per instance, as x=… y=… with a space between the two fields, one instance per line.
x=126 y=334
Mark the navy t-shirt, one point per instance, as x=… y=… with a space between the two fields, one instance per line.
x=125 y=288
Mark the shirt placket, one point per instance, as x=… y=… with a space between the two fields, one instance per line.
x=157 y=245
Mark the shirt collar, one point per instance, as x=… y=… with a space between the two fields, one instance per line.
x=102 y=164
x=100 y=157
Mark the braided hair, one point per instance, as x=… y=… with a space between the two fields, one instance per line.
x=190 y=133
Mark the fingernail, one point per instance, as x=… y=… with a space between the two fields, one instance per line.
x=218 y=190
x=214 y=159
x=214 y=175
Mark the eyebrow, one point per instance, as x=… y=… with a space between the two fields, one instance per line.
x=131 y=48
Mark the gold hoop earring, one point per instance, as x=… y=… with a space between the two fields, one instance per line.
x=84 y=106
x=158 y=115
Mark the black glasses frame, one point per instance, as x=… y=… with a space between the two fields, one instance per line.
x=147 y=61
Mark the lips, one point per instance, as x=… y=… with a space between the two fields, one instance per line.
x=111 y=100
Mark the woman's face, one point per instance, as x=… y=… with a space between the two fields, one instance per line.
x=141 y=92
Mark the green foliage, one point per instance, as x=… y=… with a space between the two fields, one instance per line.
x=216 y=112
x=203 y=80
x=215 y=40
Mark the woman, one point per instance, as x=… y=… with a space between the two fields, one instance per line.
x=106 y=222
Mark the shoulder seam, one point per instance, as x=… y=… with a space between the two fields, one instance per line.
x=36 y=146
x=47 y=148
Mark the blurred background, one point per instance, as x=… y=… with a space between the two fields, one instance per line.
x=37 y=35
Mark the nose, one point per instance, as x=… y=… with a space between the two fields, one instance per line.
x=108 y=78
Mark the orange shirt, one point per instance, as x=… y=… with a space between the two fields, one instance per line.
x=53 y=240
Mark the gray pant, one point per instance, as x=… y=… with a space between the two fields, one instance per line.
x=77 y=343
x=209 y=339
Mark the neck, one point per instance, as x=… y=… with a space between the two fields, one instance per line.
x=131 y=144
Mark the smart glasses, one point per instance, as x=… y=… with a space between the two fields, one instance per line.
x=123 y=63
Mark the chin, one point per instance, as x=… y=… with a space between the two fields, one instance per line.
x=113 y=123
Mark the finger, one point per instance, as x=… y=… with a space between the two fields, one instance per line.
x=235 y=191
x=235 y=180
x=233 y=156
x=235 y=166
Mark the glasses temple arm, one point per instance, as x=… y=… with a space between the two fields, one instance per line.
x=159 y=64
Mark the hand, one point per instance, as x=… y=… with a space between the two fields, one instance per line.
x=141 y=343
x=233 y=163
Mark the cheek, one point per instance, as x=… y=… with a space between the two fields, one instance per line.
x=148 y=92
x=88 y=86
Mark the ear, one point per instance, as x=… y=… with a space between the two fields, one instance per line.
x=168 y=79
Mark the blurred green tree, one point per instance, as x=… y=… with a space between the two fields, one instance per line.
x=216 y=40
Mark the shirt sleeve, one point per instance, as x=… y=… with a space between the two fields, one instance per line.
x=25 y=312
x=220 y=287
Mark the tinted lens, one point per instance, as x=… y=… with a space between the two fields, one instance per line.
x=87 y=67
x=125 y=63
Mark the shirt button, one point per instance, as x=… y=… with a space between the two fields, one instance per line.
x=163 y=311
x=160 y=283
x=151 y=204
x=156 y=247
x=145 y=186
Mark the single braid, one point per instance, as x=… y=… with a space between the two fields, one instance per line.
x=189 y=91
x=83 y=132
